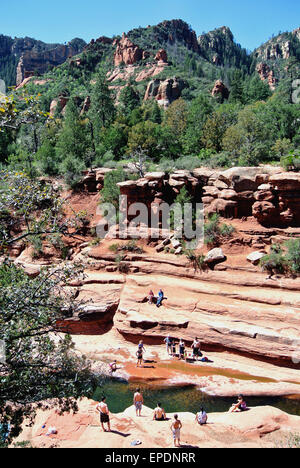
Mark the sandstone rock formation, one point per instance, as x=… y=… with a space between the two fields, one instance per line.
x=162 y=56
x=278 y=203
x=260 y=427
x=165 y=92
x=126 y=52
x=220 y=90
x=266 y=74
x=33 y=62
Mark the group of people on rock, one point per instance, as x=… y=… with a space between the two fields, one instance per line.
x=159 y=300
x=171 y=345
x=159 y=414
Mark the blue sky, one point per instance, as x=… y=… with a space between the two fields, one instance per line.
x=251 y=21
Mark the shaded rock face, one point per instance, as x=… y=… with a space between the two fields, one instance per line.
x=165 y=92
x=266 y=192
x=34 y=62
x=126 y=52
x=266 y=74
x=177 y=30
x=279 y=203
x=162 y=56
x=220 y=90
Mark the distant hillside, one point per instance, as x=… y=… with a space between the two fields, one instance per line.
x=165 y=61
x=22 y=57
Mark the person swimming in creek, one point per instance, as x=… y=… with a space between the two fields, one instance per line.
x=138 y=401
x=176 y=428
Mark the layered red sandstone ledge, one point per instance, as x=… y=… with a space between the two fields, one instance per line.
x=260 y=427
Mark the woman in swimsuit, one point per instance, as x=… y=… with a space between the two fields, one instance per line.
x=175 y=428
x=240 y=406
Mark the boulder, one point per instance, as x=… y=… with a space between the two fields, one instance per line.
x=255 y=257
x=287 y=181
x=215 y=256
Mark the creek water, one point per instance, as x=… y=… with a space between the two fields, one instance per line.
x=183 y=399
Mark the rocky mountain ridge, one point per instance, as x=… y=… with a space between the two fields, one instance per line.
x=24 y=57
x=172 y=39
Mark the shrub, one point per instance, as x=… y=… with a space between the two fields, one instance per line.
x=293 y=255
x=214 y=234
x=291 y=162
x=197 y=261
x=274 y=263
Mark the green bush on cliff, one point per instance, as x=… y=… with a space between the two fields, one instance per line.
x=293 y=255
x=215 y=233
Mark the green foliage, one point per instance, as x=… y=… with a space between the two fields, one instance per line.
x=197 y=261
x=111 y=192
x=214 y=233
x=293 y=255
x=291 y=162
x=274 y=263
x=37 y=366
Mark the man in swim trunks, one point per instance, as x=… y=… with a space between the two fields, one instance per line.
x=102 y=409
x=196 y=349
x=138 y=401
x=159 y=413
x=175 y=428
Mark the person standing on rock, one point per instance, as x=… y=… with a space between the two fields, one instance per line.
x=138 y=401
x=102 y=409
x=139 y=354
x=196 y=349
x=175 y=428
x=181 y=349
x=168 y=342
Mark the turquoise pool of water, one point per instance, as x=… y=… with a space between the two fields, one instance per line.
x=183 y=399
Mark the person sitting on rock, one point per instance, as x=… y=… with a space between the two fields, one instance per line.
x=160 y=298
x=150 y=297
x=240 y=406
x=201 y=417
x=159 y=413
x=113 y=366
